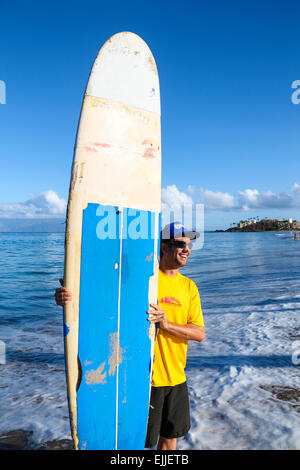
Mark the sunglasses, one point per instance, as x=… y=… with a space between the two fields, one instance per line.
x=180 y=244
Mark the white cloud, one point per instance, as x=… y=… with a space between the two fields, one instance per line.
x=244 y=200
x=295 y=187
x=45 y=205
x=179 y=206
x=296 y=194
x=253 y=199
x=216 y=200
x=50 y=205
x=173 y=198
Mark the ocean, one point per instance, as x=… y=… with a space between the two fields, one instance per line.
x=243 y=379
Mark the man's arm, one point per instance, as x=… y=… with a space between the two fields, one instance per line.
x=188 y=331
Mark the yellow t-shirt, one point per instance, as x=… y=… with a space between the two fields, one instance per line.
x=178 y=296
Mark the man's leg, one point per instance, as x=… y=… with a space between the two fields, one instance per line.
x=166 y=444
x=155 y=414
x=175 y=418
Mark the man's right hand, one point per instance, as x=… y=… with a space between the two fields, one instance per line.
x=62 y=295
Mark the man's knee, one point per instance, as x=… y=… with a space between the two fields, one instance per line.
x=165 y=443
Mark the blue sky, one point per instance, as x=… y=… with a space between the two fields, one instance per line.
x=230 y=132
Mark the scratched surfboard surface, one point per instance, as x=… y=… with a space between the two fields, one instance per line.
x=111 y=248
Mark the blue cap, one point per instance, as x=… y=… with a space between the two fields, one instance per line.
x=177 y=230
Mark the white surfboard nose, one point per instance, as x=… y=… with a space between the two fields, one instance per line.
x=125 y=71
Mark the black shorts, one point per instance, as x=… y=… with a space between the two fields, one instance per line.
x=169 y=413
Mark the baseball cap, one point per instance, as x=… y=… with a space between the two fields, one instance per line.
x=177 y=230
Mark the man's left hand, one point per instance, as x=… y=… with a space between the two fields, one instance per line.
x=158 y=315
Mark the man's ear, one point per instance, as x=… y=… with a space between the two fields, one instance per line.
x=163 y=248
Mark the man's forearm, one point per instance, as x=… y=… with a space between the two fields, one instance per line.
x=188 y=332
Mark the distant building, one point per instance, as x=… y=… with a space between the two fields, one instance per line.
x=268 y=224
x=244 y=223
x=295 y=225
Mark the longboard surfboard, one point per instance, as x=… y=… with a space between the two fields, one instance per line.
x=111 y=248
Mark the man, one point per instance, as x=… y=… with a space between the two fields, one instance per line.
x=180 y=319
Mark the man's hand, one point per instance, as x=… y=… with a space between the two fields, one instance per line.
x=62 y=295
x=187 y=332
x=158 y=315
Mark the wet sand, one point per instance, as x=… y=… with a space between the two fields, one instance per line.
x=20 y=439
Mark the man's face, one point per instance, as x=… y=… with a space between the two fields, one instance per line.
x=177 y=257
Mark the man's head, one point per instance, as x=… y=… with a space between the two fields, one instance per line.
x=176 y=245
x=175 y=252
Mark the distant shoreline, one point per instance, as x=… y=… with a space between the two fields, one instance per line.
x=205 y=231
x=253 y=231
x=264 y=225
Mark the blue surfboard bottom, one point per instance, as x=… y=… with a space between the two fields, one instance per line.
x=114 y=346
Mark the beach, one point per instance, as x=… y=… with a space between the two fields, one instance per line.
x=244 y=380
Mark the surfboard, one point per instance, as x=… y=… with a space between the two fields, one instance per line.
x=111 y=248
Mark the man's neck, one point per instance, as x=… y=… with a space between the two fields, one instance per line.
x=169 y=270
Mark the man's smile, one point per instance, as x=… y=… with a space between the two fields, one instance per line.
x=183 y=256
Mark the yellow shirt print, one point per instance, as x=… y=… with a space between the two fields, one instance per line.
x=178 y=296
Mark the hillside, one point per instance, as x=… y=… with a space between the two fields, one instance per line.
x=266 y=225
